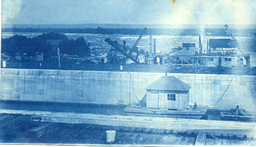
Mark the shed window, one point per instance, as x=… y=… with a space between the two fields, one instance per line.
x=171 y=97
x=227 y=59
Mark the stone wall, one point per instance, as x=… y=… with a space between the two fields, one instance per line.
x=106 y=87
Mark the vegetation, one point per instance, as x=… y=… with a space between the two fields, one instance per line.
x=101 y=30
x=78 y=47
x=21 y=45
x=136 y=31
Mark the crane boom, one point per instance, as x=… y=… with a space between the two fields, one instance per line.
x=231 y=35
x=120 y=48
x=138 y=40
x=128 y=52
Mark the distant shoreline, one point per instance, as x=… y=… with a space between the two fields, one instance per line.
x=140 y=26
x=137 y=31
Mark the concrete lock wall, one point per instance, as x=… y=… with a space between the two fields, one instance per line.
x=120 y=87
x=208 y=89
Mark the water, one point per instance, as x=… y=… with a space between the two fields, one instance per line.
x=164 y=44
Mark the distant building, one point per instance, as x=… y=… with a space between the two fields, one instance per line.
x=224 y=47
x=54 y=43
x=224 y=53
x=186 y=49
x=39 y=56
x=184 y=54
x=188 y=45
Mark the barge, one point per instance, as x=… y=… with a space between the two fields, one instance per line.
x=188 y=113
x=238 y=114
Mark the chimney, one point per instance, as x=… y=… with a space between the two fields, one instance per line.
x=200 y=46
x=151 y=46
x=154 y=46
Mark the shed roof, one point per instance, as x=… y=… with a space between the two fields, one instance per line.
x=222 y=43
x=168 y=83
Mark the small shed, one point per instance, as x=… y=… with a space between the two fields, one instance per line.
x=168 y=92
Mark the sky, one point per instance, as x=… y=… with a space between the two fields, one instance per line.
x=171 y=12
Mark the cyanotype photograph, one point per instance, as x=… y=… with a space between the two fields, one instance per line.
x=128 y=72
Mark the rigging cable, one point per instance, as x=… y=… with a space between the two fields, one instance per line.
x=223 y=93
x=133 y=87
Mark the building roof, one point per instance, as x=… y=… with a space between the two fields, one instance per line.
x=168 y=84
x=222 y=43
x=188 y=45
x=53 y=42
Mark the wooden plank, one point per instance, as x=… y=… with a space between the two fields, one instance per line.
x=138 y=130
x=8 y=120
x=239 y=135
x=4 y=117
x=40 y=127
x=125 y=129
x=192 y=125
x=40 y=131
x=200 y=139
x=225 y=134
x=146 y=130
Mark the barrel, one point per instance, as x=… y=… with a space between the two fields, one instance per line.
x=4 y=63
x=111 y=135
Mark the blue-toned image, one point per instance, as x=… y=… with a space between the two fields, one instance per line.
x=130 y=72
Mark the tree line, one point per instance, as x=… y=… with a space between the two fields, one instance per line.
x=101 y=30
x=20 y=45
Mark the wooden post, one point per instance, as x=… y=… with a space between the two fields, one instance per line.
x=154 y=46
x=130 y=89
x=59 y=56
x=219 y=62
x=150 y=45
x=158 y=102
x=200 y=139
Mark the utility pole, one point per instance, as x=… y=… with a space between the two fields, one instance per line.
x=59 y=56
x=151 y=46
x=130 y=85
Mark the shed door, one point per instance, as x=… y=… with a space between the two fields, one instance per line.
x=172 y=102
x=152 y=100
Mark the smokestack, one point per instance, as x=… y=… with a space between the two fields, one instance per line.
x=154 y=46
x=200 y=46
x=124 y=43
x=219 y=62
x=58 y=56
x=208 y=51
x=151 y=45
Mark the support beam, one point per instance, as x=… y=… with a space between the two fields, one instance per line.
x=138 y=40
x=120 y=48
x=151 y=45
x=154 y=46
x=200 y=139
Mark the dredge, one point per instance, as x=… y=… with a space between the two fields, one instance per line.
x=219 y=53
